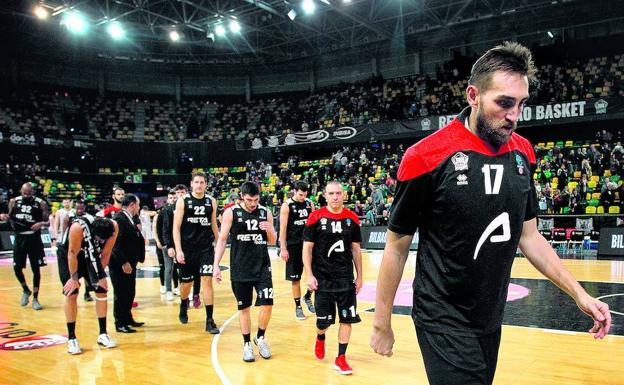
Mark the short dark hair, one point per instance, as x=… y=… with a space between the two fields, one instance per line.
x=103 y=228
x=301 y=186
x=199 y=174
x=249 y=188
x=172 y=191
x=181 y=187
x=507 y=57
x=79 y=202
x=117 y=188
x=128 y=199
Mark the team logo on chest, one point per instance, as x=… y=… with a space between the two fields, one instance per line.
x=462 y=180
x=520 y=164
x=460 y=161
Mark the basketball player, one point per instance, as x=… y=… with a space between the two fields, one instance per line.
x=194 y=231
x=252 y=231
x=27 y=214
x=61 y=214
x=118 y=194
x=293 y=216
x=84 y=251
x=181 y=190
x=469 y=191
x=79 y=211
x=331 y=248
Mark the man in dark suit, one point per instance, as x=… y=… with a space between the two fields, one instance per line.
x=128 y=251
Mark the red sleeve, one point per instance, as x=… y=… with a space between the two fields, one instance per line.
x=313 y=218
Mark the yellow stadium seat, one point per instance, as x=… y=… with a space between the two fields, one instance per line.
x=595 y=195
x=592 y=184
x=572 y=185
x=588 y=196
x=577 y=174
x=554 y=180
x=614 y=209
x=600 y=210
x=607 y=173
x=594 y=178
x=590 y=210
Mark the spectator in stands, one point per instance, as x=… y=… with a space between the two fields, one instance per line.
x=607 y=197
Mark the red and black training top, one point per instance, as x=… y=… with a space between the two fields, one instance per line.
x=469 y=204
x=109 y=211
x=332 y=259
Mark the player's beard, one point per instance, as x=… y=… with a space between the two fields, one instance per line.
x=116 y=201
x=494 y=134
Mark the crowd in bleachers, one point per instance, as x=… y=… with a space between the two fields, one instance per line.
x=369 y=101
x=581 y=178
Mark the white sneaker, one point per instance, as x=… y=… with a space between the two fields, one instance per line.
x=176 y=291
x=169 y=296
x=106 y=341
x=248 y=353
x=73 y=347
x=163 y=290
x=263 y=347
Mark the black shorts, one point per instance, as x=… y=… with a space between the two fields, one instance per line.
x=294 y=266
x=243 y=291
x=83 y=272
x=459 y=360
x=196 y=261
x=326 y=302
x=29 y=246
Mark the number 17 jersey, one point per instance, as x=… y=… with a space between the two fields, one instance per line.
x=469 y=203
x=332 y=259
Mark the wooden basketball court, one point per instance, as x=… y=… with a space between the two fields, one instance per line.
x=166 y=352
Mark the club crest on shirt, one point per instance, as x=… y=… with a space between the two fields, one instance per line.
x=323 y=221
x=462 y=180
x=348 y=222
x=460 y=161
x=520 y=164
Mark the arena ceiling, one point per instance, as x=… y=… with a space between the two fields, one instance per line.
x=269 y=34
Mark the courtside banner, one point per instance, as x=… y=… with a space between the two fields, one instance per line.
x=7 y=238
x=611 y=241
x=374 y=238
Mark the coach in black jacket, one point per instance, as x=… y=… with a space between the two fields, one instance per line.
x=128 y=251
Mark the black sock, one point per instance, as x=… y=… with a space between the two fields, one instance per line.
x=261 y=332
x=184 y=304
x=298 y=302
x=320 y=337
x=209 y=309
x=102 y=322
x=36 y=293
x=342 y=349
x=71 y=330
x=308 y=294
x=25 y=287
x=247 y=337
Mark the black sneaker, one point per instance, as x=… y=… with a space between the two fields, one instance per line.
x=87 y=297
x=211 y=327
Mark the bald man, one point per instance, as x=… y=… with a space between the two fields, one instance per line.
x=27 y=213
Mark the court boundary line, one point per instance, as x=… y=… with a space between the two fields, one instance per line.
x=215 y=342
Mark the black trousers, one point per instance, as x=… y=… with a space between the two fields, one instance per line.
x=161 y=265
x=124 y=286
